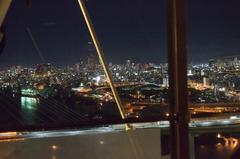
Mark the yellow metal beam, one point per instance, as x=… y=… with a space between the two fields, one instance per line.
x=4 y=5
x=101 y=57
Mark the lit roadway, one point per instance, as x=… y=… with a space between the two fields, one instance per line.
x=105 y=142
x=123 y=84
x=196 y=126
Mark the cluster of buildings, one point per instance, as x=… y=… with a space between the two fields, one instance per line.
x=219 y=79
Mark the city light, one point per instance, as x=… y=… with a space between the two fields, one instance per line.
x=54 y=147
x=29 y=92
x=167 y=114
x=29 y=103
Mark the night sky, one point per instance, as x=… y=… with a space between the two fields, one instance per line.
x=127 y=29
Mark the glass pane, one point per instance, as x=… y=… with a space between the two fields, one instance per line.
x=214 y=78
x=54 y=94
x=50 y=75
x=133 y=36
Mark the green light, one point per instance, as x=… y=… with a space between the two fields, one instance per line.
x=30 y=92
x=29 y=103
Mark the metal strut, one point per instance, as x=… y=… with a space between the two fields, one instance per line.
x=101 y=57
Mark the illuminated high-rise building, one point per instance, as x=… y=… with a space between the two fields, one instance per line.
x=205 y=81
x=42 y=69
x=128 y=63
x=91 y=63
x=77 y=67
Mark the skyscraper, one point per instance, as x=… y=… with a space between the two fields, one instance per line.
x=91 y=62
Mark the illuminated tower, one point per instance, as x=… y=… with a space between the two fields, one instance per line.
x=128 y=63
x=91 y=64
x=42 y=69
x=77 y=67
x=91 y=61
x=205 y=81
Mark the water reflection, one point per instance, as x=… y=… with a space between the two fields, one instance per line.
x=222 y=146
x=29 y=103
x=28 y=108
